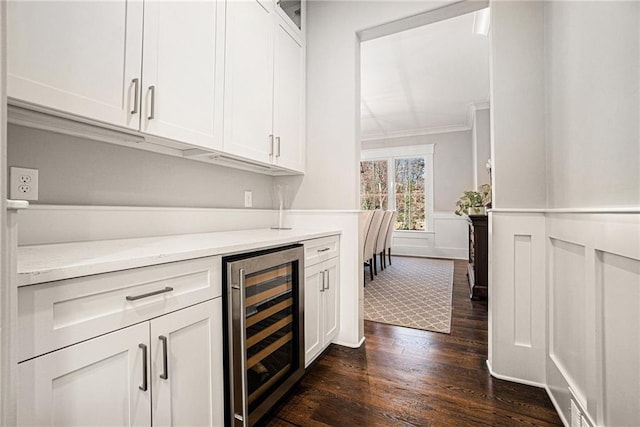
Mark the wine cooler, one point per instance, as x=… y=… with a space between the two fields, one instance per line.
x=265 y=342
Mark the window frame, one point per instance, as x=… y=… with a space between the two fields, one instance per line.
x=390 y=154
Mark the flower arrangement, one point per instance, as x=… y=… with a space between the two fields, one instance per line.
x=474 y=202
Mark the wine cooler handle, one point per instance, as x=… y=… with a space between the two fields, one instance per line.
x=242 y=314
x=165 y=374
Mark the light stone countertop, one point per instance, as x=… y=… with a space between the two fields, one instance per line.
x=46 y=263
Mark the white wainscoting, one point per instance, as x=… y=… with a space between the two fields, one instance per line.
x=567 y=284
x=448 y=239
x=594 y=315
x=517 y=318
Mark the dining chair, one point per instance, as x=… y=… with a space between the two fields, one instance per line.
x=380 y=241
x=370 y=241
x=365 y=221
x=389 y=236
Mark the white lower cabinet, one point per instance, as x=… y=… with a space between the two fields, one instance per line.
x=321 y=302
x=93 y=382
x=168 y=370
x=187 y=389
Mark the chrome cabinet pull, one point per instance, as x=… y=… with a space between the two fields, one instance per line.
x=164 y=375
x=150 y=294
x=322 y=282
x=152 y=106
x=270 y=145
x=323 y=250
x=136 y=84
x=327 y=281
x=143 y=387
x=278 y=146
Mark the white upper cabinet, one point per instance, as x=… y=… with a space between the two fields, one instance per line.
x=288 y=101
x=264 y=86
x=76 y=57
x=217 y=76
x=248 y=100
x=182 y=72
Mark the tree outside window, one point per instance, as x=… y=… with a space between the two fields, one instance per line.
x=410 y=194
x=373 y=185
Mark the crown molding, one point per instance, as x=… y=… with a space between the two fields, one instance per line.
x=472 y=107
x=417 y=132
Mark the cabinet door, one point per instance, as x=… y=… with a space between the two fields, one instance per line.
x=330 y=308
x=288 y=101
x=98 y=381
x=248 y=100
x=188 y=388
x=182 y=71
x=312 y=312
x=76 y=57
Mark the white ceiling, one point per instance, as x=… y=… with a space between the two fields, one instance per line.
x=423 y=80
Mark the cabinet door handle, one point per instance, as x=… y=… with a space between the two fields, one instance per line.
x=165 y=368
x=322 y=282
x=327 y=280
x=150 y=294
x=136 y=100
x=143 y=387
x=323 y=250
x=270 y=145
x=278 y=146
x=152 y=103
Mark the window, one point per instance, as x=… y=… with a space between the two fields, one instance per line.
x=373 y=185
x=410 y=194
x=399 y=178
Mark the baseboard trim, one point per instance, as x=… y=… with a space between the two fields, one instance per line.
x=421 y=251
x=513 y=379
x=556 y=406
x=349 y=344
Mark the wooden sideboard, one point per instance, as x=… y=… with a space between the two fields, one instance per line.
x=478 y=268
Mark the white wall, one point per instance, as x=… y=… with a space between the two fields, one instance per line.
x=593 y=99
x=517 y=104
x=81 y=172
x=8 y=294
x=333 y=97
x=481 y=142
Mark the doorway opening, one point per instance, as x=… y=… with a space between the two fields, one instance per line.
x=424 y=97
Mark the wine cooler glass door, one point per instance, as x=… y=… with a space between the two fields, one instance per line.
x=266 y=325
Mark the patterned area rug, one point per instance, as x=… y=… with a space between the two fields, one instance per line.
x=413 y=292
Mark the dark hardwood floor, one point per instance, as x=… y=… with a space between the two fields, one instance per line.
x=404 y=376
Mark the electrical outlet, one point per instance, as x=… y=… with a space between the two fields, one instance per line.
x=248 y=199
x=23 y=184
